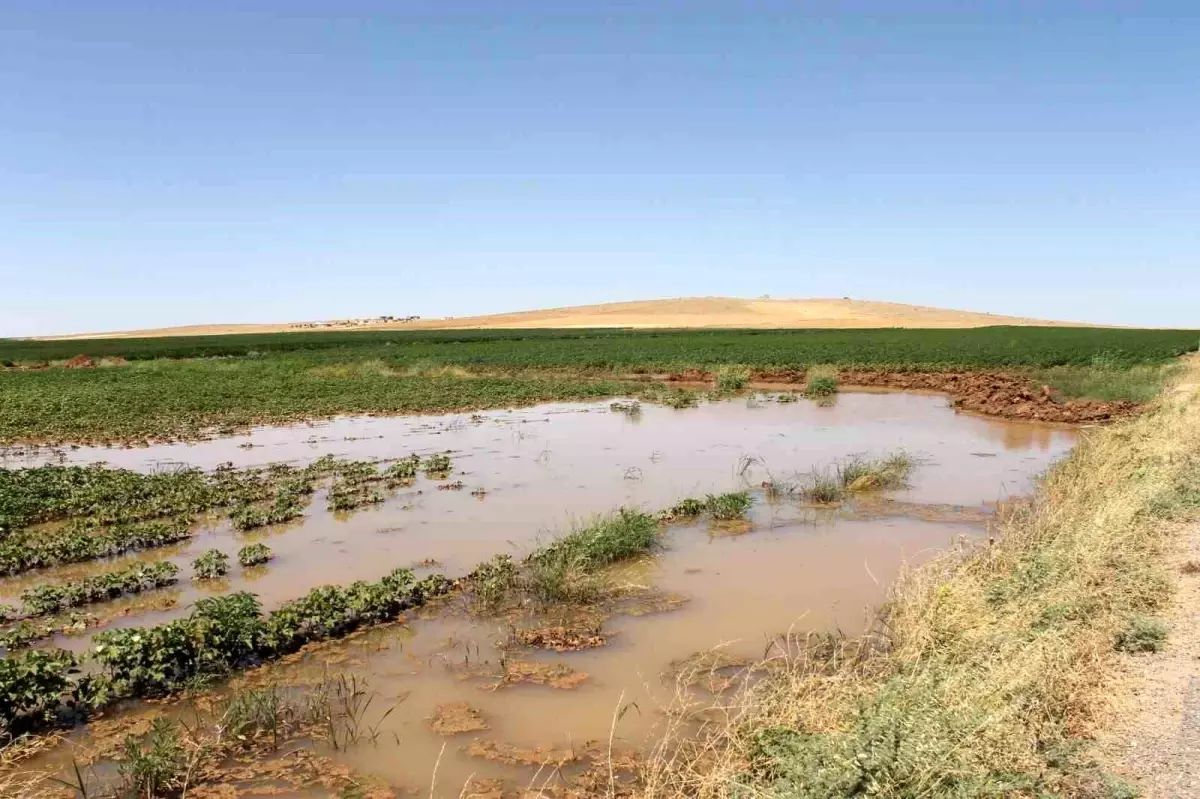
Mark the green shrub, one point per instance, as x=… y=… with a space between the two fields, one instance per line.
x=212 y=564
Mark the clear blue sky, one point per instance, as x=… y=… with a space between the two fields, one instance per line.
x=317 y=160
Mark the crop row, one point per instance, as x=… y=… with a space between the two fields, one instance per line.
x=221 y=634
x=228 y=632
x=45 y=599
x=80 y=541
x=111 y=511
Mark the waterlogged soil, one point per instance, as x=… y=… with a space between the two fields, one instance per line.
x=550 y=698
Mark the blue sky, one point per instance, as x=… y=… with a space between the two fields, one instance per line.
x=320 y=160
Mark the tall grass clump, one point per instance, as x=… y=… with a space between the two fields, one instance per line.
x=567 y=569
x=1104 y=380
x=732 y=379
x=858 y=474
x=724 y=507
x=991 y=668
x=822 y=383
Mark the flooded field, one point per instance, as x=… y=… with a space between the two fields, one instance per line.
x=458 y=697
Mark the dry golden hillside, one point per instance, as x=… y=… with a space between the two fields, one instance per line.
x=682 y=312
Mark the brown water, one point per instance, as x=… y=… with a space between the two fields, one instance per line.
x=546 y=468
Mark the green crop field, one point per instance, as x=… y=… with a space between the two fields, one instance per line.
x=974 y=348
x=181 y=387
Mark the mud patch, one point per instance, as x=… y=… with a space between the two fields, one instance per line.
x=453 y=718
x=554 y=675
x=562 y=639
x=872 y=508
x=509 y=755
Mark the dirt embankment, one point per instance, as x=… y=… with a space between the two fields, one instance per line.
x=1007 y=396
x=997 y=394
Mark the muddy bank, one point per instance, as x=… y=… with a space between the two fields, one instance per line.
x=999 y=394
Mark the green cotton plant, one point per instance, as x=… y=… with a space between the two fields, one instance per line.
x=329 y=611
x=220 y=634
x=212 y=564
x=684 y=509
x=254 y=554
x=403 y=470
x=437 y=465
x=31 y=686
x=493 y=581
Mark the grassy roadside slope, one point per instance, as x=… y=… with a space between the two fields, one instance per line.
x=989 y=670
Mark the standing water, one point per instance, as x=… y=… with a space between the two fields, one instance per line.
x=456 y=696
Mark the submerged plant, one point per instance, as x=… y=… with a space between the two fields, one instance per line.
x=680 y=399
x=403 y=470
x=493 y=581
x=437 y=465
x=31 y=685
x=254 y=554
x=725 y=507
x=568 y=568
x=823 y=488
x=212 y=564
x=631 y=408
x=684 y=509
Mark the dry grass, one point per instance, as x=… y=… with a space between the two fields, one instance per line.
x=681 y=312
x=988 y=671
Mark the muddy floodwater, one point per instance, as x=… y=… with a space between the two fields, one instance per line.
x=462 y=702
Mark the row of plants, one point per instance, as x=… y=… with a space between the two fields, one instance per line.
x=42 y=600
x=358 y=483
x=228 y=632
x=40 y=687
x=52 y=515
x=82 y=540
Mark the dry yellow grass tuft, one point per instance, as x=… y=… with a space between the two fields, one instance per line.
x=988 y=673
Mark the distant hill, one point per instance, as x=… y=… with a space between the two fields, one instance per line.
x=682 y=312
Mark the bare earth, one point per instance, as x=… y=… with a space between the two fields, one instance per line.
x=692 y=312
